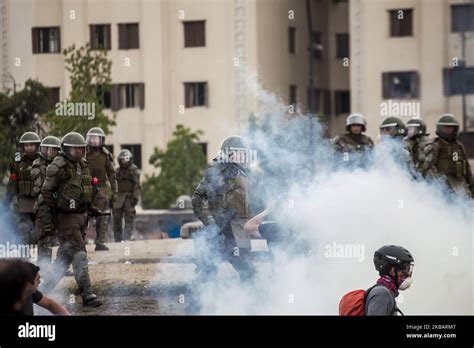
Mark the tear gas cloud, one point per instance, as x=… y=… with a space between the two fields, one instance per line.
x=343 y=214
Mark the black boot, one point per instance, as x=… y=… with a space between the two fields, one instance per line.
x=91 y=301
x=101 y=247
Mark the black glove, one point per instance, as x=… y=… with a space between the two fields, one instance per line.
x=94 y=211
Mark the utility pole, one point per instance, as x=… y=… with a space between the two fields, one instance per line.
x=311 y=52
x=310 y=80
x=464 y=87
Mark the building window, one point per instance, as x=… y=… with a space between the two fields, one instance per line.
x=462 y=18
x=401 y=22
x=292 y=95
x=53 y=95
x=105 y=97
x=128 y=36
x=458 y=81
x=194 y=33
x=195 y=94
x=343 y=102
x=128 y=95
x=46 y=40
x=100 y=36
x=320 y=101
x=204 y=148
x=136 y=150
x=400 y=85
x=292 y=39
x=317 y=44
x=342 y=46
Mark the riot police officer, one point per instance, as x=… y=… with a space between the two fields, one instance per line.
x=128 y=182
x=49 y=149
x=225 y=189
x=20 y=188
x=353 y=140
x=65 y=198
x=446 y=157
x=416 y=140
x=101 y=164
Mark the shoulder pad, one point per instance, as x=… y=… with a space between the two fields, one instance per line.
x=83 y=163
x=59 y=161
x=108 y=153
x=425 y=141
x=37 y=162
x=35 y=171
x=336 y=139
x=52 y=169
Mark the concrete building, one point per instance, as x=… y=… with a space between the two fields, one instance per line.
x=399 y=51
x=187 y=62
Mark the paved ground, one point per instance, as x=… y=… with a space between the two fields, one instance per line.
x=137 y=278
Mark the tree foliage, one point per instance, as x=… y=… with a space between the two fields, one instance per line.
x=19 y=113
x=90 y=77
x=181 y=167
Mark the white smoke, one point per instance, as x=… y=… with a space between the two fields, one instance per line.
x=345 y=214
x=7 y=226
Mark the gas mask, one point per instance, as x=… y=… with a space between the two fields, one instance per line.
x=405 y=280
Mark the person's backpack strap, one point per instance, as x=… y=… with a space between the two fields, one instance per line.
x=368 y=290
x=398 y=310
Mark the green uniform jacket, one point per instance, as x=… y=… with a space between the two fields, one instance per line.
x=416 y=148
x=225 y=188
x=67 y=188
x=349 y=142
x=128 y=184
x=448 y=159
x=20 y=184
x=101 y=166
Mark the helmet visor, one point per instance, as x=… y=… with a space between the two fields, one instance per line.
x=407 y=269
x=49 y=152
x=94 y=140
x=30 y=148
x=75 y=152
x=391 y=130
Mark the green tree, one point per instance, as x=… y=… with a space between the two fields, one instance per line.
x=19 y=113
x=181 y=167
x=90 y=76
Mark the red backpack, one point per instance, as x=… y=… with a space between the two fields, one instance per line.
x=353 y=303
